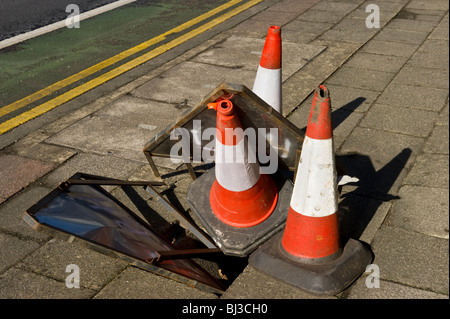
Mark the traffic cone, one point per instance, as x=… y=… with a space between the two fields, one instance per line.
x=240 y=196
x=267 y=83
x=309 y=253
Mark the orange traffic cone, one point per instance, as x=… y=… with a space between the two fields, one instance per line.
x=309 y=253
x=240 y=195
x=237 y=205
x=267 y=83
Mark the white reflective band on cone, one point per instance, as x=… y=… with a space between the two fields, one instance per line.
x=236 y=167
x=267 y=86
x=315 y=185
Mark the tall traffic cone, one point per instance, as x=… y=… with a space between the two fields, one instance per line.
x=310 y=253
x=267 y=83
x=240 y=195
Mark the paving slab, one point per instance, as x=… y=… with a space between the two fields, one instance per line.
x=438 y=142
x=434 y=78
x=202 y=78
x=431 y=45
x=421 y=209
x=361 y=78
x=383 y=148
x=20 y=284
x=404 y=257
x=376 y=62
x=253 y=284
x=107 y=166
x=439 y=34
x=407 y=24
x=52 y=259
x=134 y=283
x=387 y=290
x=305 y=81
x=432 y=60
x=245 y=53
x=11 y=213
x=335 y=6
x=17 y=172
x=443 y=116
x=403 y=36
x=414 y=97
x=400 y=120
x=390 y=48
x=323 y=16
x=429 y=5
x=120 y=129
x=14 y=250
x=429 y=170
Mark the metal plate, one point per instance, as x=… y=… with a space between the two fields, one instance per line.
x=252 y=112
x=92 y=215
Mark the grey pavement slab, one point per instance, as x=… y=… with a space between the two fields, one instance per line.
x=421 y=209
x=443 y=116
x=11 y=213
x=387 y=290
x=381 y=149
x=434 y=78
x=439 y=34
x=171 y=86
x=403 y=36
x=376 y=62
x=428 y=5
x=294 y=5
x=293 y=30
x=44 y=152
x=253 y=284
x=52 y=259
x=134 y=283
x=323 y=16
x=20 y=284
x=429 y=170
x=245 y=53
x=414 y=97
x=361 y=78
x=301 y=84
x=120 y=129
x=404 y=257
x=335 y=6
x=14 y=250
x=390 y=48
x=400 y=120
x=107 y=166
x=432 y=46
x=433 y=60
x=358 y=35
x=17 y=172
x=438 y=142
x=407 y=24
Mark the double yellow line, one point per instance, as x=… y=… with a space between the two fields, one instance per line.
x=69 y=95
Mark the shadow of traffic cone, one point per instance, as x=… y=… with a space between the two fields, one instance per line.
x=309 y=253
x=267 y=83
x=240 y=195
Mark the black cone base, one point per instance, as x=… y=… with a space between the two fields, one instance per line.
x=328 y=277
x=236 y=241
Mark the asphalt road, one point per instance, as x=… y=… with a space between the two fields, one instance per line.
x=20 y=16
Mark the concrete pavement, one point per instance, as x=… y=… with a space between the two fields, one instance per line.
x=389 y=91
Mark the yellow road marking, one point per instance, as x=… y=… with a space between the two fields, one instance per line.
x=99 y=66
x=63 y=98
